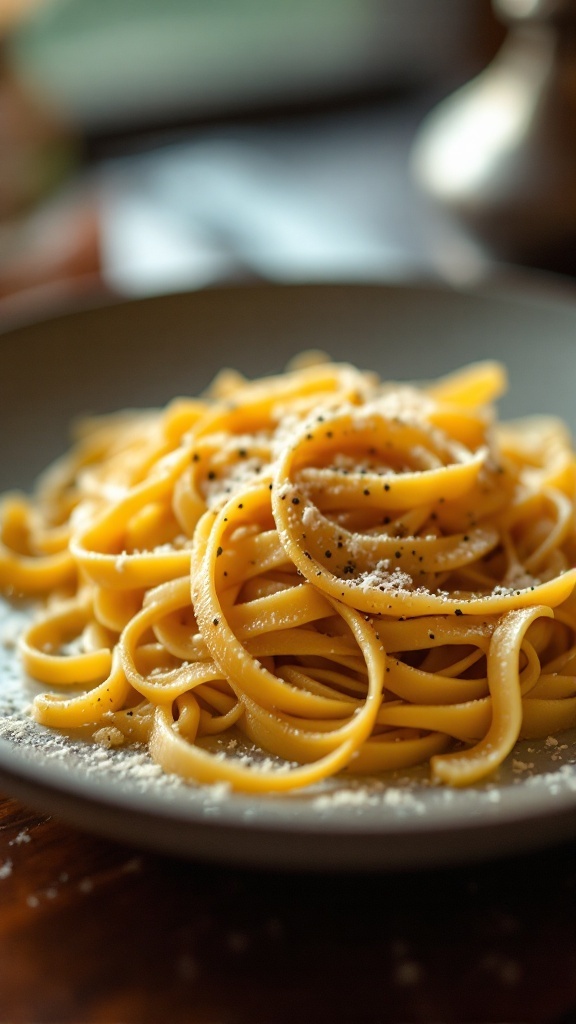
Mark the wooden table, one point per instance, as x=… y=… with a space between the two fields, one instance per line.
x=92 y=931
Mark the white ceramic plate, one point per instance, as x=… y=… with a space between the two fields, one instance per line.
x=143 y=353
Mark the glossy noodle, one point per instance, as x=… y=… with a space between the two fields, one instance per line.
x=305 y=575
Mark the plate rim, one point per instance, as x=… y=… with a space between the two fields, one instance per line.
x=229 y=838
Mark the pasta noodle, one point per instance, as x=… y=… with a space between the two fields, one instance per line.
x=303 y=575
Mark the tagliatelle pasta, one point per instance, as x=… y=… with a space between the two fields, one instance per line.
x=303 y=575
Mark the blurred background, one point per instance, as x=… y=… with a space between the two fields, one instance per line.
x=150 y=147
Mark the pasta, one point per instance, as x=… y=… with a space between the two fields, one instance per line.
x=303 y=575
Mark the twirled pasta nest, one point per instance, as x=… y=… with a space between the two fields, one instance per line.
x=347 y=574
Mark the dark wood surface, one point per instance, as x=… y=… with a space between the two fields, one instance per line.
x=92 y=931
